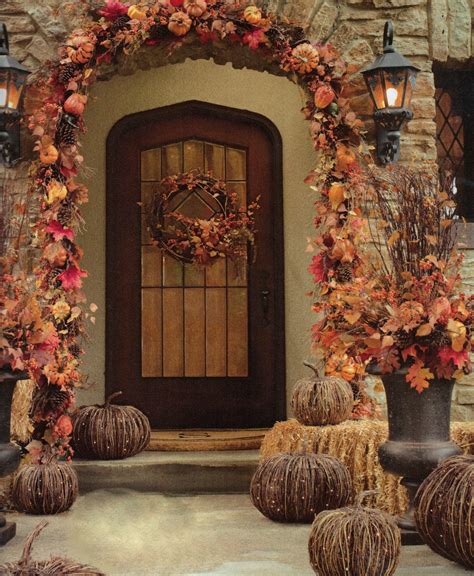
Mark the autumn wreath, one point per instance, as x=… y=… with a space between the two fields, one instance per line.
x=227 y=232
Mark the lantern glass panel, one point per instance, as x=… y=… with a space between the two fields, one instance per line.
x=374 y=81
x=16 y=83
x=3 y=88
x=395 y=81
x=411 y=79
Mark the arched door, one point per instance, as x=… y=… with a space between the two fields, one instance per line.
x=194 y=348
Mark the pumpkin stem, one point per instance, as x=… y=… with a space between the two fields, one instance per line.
x=111 y=397
x=26 y=556
x=313 y=368
x=363 y=495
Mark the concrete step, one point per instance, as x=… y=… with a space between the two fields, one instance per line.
x=226 y=472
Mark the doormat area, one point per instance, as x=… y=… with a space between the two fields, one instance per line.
x=206 y=440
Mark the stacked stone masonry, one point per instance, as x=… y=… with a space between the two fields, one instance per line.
x=426 y=31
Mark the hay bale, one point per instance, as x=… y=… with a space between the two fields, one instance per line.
x=355 y=443
x=54 y=567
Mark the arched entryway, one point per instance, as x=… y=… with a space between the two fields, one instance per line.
x=201 y=349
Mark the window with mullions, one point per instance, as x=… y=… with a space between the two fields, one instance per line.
x=454 y=97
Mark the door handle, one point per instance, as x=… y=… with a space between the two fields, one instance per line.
x=265 y=303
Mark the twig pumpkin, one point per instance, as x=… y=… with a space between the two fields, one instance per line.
x=318 y=401
x=444 y=510
x=354 y=540
x=53 y=567
x=110 y=432
x=293 y=487
x=44 y=488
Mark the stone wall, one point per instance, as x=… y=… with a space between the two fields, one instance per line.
x=425 y=31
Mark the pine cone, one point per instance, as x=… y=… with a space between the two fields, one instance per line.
x=120 y=23
x=344 y=273
x=67 y=72
x=403 y=339
x=66 y=132
x=75 y=350
x=48 y=399
x=65 y=214
x=437 y=339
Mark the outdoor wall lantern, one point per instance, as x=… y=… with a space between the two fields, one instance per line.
x=12 y=81
x=390 y=80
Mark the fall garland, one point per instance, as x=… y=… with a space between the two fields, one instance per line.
x=226 y=233
x=62 y=91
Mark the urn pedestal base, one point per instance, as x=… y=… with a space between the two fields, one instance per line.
x=7 y=530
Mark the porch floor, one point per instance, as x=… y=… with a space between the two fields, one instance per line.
x=124 y=532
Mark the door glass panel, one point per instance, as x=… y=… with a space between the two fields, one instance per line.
x=194 y=322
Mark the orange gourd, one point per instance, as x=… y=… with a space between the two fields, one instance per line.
x=306 y=58
x=80 y=50
x=49 y=154
x=323 y=96
x=135 y=13
x=345 y=157
x=195 y=8
x=75 y=104
x=252 y=15
x=179 y=23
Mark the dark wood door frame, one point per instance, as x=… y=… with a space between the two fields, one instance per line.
x=118 y=133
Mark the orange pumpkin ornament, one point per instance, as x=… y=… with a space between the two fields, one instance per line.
x=195 y=8
x=306 y=58
x=342 y=366
x=49 y=154
x=80 y=49
x=179 y=24
x=252 y=15
x=56 y=191
x=75 y=104
x=323 y=96
x=345 y=157
x=135 y=13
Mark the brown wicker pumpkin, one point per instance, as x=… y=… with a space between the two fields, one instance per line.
x=110 y=432
x=354 y=540
x=44 y=488
x=294 y=487
x=318 y=401
x=55 y=566
x=444 y=510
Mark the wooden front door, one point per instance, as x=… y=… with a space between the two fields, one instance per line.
x=194 y=348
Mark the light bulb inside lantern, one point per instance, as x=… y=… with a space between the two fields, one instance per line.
x=392 y=95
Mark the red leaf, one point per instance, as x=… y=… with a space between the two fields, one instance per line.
x=71 y=278
x=388 y=360
x=317 y=268
x=459 y=359
x=58 y=231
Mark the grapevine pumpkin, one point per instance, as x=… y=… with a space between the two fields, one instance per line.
x=179 y=23
x=323 y=96
x=293 y=487
x=306 y=58
x=444 y=511
x=80 y=49
x=252 y=15
x=355 y=541
x=44 y=488
x=110 y=432
x=195 y=8
x=318 y=401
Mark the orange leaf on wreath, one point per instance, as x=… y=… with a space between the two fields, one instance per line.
x=336 y=195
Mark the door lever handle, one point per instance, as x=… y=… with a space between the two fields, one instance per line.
x=265 y=303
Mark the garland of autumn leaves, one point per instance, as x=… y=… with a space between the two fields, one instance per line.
x=63 y=92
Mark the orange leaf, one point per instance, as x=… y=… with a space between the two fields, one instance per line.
x=352 y=317
x=424 y=329
x=336 y=195
x=393 y=238
x=419 y=377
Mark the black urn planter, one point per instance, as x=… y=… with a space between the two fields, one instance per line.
x=9 y=454
x=418 y=437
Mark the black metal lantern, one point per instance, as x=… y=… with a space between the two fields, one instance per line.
x=390 y=80
x=12 y=81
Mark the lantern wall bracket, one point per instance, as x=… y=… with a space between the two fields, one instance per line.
x=9 y=139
